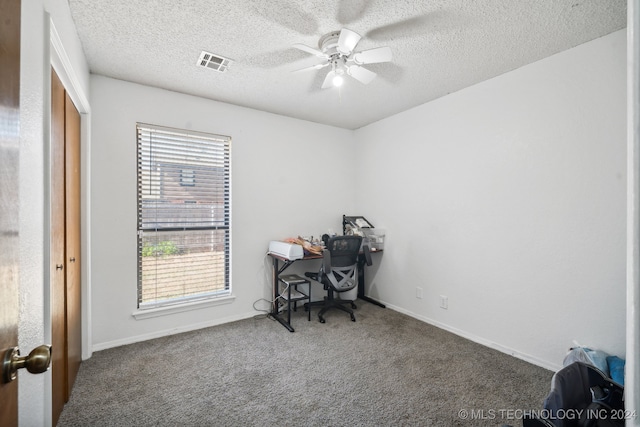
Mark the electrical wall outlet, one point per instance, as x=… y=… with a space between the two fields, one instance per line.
x=419 y=293
x=444 y=301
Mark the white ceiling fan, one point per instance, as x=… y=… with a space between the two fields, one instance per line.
x=337 y=49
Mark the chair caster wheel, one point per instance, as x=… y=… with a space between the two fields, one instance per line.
x=353 y=318
x=321 y=320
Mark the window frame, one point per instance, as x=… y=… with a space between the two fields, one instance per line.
x=220 y=168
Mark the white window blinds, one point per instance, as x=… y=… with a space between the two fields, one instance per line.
x=184 y=216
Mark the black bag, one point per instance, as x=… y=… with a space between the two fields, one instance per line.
x=581 y=396
x=606 y=408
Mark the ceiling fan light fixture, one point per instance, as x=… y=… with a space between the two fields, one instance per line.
x=347 y=41
x=337 y=48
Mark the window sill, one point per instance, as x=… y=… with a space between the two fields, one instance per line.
x=178 y=308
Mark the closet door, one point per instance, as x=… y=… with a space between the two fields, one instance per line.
x=65 y=245
x=57 y=245
x=72 y=240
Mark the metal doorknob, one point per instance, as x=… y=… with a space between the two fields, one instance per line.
x=36 y=362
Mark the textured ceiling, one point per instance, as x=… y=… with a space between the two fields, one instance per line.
x=438 y=46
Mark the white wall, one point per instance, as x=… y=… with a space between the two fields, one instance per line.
x=32 y=391
x=34 y=327
x=509 y=198
x=281 y=184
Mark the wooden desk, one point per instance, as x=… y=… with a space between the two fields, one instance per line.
x=278 y=269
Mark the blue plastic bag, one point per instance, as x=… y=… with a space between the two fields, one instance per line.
x=616 y=369
x=597 y=358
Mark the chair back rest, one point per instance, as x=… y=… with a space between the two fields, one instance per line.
x=343 y=254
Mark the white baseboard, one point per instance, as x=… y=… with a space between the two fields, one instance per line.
x=480 y=340
x=173 y=331
x=483 y=341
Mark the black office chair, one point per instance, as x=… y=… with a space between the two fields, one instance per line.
x=338 y=272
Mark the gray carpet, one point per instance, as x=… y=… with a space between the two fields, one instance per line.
x=386 y=369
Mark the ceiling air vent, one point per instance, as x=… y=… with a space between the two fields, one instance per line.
x=213 y=62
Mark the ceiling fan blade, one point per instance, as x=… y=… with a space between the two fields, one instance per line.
x=310 y=50
x=347 y=41
x=297 y=18
x=313 y=67
x=361 y=74
x=373 y=56
x=328 y=80
x=351 y=10
x=432 y=22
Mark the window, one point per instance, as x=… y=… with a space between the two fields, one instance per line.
x=187 y=177
x=184 y=216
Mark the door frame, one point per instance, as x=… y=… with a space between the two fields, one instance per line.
x=632 y=374
x=62 y=65
x=42 y=48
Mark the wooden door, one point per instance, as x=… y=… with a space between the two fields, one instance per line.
x=9 y=200
x=58 y=317
x=65 y=245
x=72 y=241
